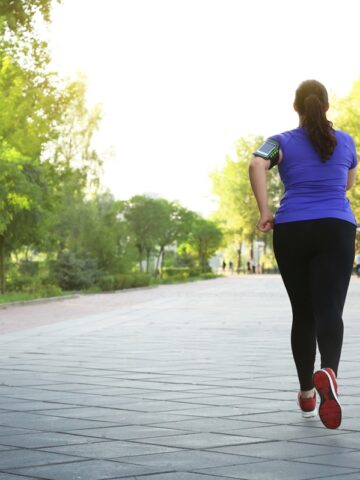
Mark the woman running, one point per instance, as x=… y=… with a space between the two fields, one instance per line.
x=314 y=239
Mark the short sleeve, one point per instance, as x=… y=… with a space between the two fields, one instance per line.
x=354 y=160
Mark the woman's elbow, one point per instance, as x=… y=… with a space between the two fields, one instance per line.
x=258 y=162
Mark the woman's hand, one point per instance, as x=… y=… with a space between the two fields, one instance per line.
x=266 y=222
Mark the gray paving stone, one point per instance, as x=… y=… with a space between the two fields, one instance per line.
x=200 y=440
x=345 y=476
x=186 y=460
x=129 y=432
x=286 y=432
x=110 y=449
x=47 y=422
x=183 y=476
x=277 y=470
x=45 y=439
x=7 y=431
x=280 y=450
x=10 y=476
x=31 y=406
x=23 y=457
x=344 y=440
x=348 y=459
x=86 y=470
x=214 y=411
x=215 y=425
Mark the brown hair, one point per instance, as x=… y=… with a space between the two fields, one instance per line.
x=311 y=102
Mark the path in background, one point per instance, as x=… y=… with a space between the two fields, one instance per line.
x=182 y=382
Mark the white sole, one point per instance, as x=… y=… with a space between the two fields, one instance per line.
x=309 y=414
x=332 y=387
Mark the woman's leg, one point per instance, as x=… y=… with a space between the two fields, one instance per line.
x=291 y=248
x=331 y=269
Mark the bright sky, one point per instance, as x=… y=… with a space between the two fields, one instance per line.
x=181 y=80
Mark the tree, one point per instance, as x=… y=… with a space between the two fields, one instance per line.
x=30 y=107
x=237 y=211
x=19 y=14
x=205 y=238
x=347 y=118
x=144 y=215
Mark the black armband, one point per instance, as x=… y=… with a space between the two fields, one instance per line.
x=269 y=150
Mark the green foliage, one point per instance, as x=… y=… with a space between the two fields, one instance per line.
x=203 y=239
x=238 y=212
x=347 y=118
x=237 y=209
x=176 y=272
x=154 y=224
x=19 y=14
x=109 y=283
x=73 y=273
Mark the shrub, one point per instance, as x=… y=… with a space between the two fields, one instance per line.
x=179 y=273
x=50 y=290
x=141 y=280
x=106 y=283
x=73 y=273
x=131 y=280
x=17 y=282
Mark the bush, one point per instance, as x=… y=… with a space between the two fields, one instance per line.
x=73 y=273
x=49 y=291
x=17 y=282
x=208 y=276
x=106 y=283
x=194 y=272
x=131 y=280
x=179 y=273
x=123 y=280
x=141 y=280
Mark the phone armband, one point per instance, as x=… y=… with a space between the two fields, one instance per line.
x=269 y=150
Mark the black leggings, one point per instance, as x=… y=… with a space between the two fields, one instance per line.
x=315 y=259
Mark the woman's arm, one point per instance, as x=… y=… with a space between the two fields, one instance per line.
x=351 y=178
x=257 y=172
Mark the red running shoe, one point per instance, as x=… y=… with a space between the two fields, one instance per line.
x=330 y=408
x=307 y=406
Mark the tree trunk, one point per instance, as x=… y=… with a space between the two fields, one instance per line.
x=140 y=259
x=238 y=268
x=157 y=267
x=162 y=262
x=148 y=252
x=2 y=264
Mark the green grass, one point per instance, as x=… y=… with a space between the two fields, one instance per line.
x=21 y=297
x=171 y=280
x=16 y=297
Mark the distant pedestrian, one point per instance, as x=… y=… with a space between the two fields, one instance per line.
x=253 y=266
x=224 y=265
x=231 y=266
x=314 y=239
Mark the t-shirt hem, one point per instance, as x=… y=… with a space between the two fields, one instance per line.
x=283 y=218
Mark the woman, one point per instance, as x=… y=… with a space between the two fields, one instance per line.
x=314 y=239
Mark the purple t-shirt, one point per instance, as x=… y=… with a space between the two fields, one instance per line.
x=314 y=189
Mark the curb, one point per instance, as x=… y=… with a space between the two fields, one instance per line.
x=37 y=300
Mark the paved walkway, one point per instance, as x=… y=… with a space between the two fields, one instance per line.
x=181 y=382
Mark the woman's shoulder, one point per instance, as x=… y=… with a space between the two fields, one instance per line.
x=341 y=134
x=287 y=135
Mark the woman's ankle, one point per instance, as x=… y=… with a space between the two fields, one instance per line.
x=307 y=393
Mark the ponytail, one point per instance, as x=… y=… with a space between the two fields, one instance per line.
x=312 y=102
